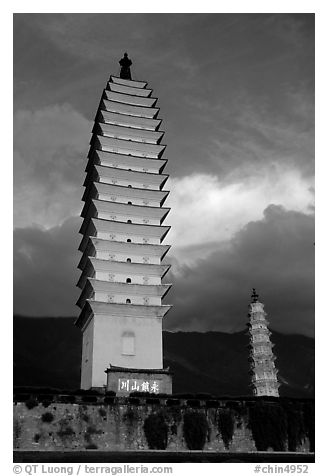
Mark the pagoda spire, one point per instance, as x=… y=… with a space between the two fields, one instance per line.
x=125 y=64
x=263 y=370
x=255 y=296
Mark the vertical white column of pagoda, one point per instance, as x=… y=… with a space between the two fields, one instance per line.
x=121 y=279
x=263 y=370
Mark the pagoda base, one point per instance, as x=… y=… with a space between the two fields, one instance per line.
x=124 y=381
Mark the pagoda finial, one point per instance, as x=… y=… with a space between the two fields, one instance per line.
x=255 y=296
x=125 y=64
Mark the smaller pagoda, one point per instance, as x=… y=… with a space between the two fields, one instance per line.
x=263 y=370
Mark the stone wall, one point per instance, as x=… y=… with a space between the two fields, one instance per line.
x=117 y=424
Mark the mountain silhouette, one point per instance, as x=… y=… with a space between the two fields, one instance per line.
x=47 y=353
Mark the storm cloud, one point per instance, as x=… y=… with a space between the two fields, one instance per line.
x=45 y=269
x=49 y=156
x=275 y=255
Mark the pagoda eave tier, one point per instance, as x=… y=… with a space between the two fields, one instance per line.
x=95 y=265
x=258 y=331
x=255 y=322
x=127 y=147
x=123 y=194
x=99 y=225
x=261 y=343
x=133 y=269
x=128 y=82
x=130 y=110
x=137 y=122
x=133 y=289
x=98 y=286
x=129 y=177
x=262 y=382
x=106 y=209
x=108 y=310
x=257 y=314
x=125 y=133
x=95 y=245
x=133 y=91
x=260 y=376
x=108 y=230
x=132 y=100
x=113 y=159
x=261 y=359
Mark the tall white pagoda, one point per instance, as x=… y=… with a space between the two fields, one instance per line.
x=121 y=265
x=263 y=370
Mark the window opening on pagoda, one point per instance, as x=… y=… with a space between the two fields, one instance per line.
x=130 y=186
x=128 y=240
x=128 y=260
x=128 y=280
x=128 y=343
x=128 y=301
x=128 y=221
x=129 y=203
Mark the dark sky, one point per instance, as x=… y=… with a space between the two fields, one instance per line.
x=236 y=93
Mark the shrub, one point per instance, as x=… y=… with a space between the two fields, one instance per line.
x=140 y=394
x=102 y=412
x=226 y=423
x=109 y=400
x=47 y=417
x=36 y=390
x=91 y=446
x=68 y=431
x=89 y=399
x=67 y=399
x=193 y=403
x=92 y=430
x=195 y=430
x=31 y=403
x=173 y=402
x=184 y=395
x=134 y=400
x=110 y=393
x=48 y=397
x=156 y=431
x=212 y=404
x=81 y=391
x=309 y=421
x=268 y=424
x=295 y=424
x=174 y=429
x=204 y=396
x=153 y=401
